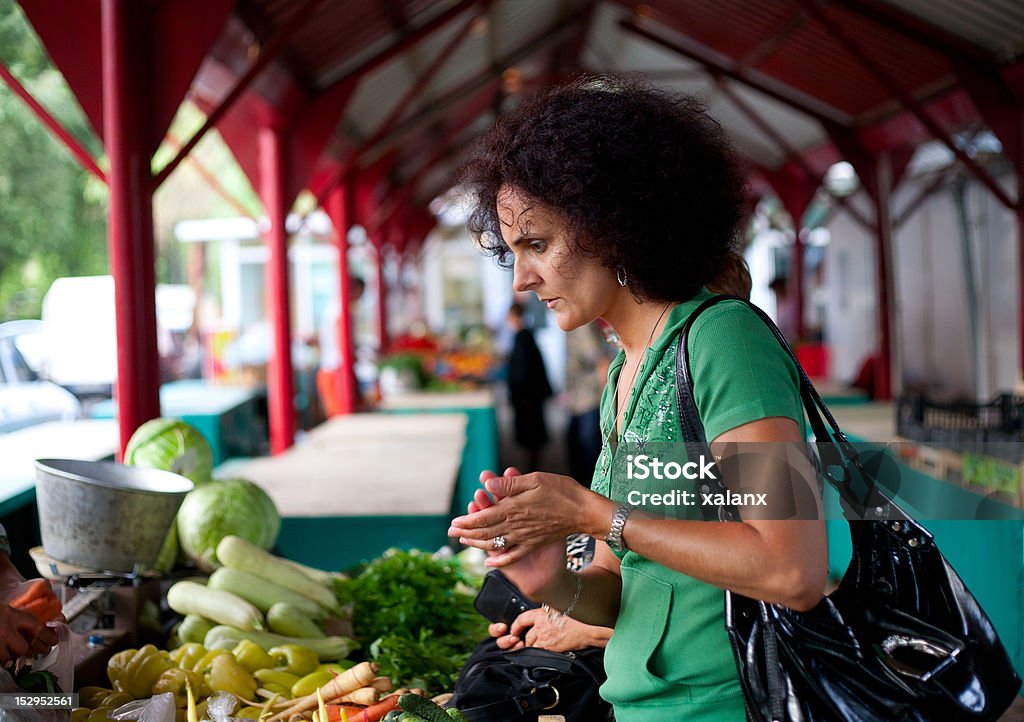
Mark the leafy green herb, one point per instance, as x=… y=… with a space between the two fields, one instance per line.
x=423 y=624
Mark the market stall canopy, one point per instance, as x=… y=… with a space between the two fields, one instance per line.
x=392 y=90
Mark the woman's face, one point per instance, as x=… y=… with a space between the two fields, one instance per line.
x=576 y=288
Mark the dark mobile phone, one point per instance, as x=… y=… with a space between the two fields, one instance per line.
x=500 y=600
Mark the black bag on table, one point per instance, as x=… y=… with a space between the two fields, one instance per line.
x=518 y=686
x=901 y=638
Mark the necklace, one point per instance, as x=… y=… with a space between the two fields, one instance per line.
x=650 y=337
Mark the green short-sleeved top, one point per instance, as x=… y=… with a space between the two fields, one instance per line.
x=669 y=657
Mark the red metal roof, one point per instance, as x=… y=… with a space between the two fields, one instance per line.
x=785 y=56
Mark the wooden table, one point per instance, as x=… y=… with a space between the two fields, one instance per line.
x=359 y=484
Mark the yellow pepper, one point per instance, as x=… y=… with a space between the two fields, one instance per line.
x=92 y=697
x=134 y=671
x=175 y=680
x=100 y=715
x=274 y=676
x=187 y=655
x=251 y=656
x=311 y=683
x=227 y=675
x=294 y=658
x=203 y=665
x=336 y=667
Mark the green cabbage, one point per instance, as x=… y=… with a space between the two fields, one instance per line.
x=221 y=507
x=171 y=445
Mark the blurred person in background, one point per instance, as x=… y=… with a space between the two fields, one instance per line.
x=528 y=387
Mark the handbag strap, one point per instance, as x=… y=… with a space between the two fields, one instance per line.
x=834 y=447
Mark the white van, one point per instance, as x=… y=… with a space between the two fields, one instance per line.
x=81 y=330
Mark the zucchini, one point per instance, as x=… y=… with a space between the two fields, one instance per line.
x=237 y=553
x=222 y=607
x=324 y=579
x=261 y=593
x=327 y=649
x=286 y=619
x=193 y=628
x=423 y=707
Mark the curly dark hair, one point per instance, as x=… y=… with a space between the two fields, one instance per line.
x=645 y=179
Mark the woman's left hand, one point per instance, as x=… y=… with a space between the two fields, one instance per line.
x=534 y=510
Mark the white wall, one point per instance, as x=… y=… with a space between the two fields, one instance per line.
x=938 y=348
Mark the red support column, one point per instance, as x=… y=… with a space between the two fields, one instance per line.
x=382 y=294
x=126 y=130
x=280 y=383
x=339 y=208
x=795 y=188
x=883 y=264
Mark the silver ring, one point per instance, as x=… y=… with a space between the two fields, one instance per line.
x=498 y=543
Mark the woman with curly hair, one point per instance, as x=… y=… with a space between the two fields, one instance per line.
x=619 y=201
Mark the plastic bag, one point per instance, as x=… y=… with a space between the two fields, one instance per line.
x=60 y=662
x=159 y=708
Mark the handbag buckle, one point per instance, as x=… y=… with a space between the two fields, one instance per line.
x=554 y=689
x=894 y=643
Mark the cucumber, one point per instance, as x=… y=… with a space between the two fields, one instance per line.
x=327 y=649
x=218 y=606
x=237 y=553
x=193 y=628
x=261 y=593
x=289 y=620
x=423 y=707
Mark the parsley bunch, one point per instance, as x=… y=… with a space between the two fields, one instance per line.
x=421 y=625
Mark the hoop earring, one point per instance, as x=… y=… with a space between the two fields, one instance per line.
x=621 y=277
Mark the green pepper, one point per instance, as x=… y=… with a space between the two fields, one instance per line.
x=274 y=676
x=311 y=683
x=135 y=673
x=227 y=675
x=92 y=697
x=294 y=658
x=80 y=714
x=251 y=656
x=203 y=665
x=336 y=667
x=175 y=680
x=249 y=712
x=187 y=655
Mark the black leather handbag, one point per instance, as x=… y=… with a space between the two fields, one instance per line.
x=900 y=639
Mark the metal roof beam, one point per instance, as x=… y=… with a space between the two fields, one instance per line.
x=822 y=112
x=443 y=147
x=792 y=153
x=893 y=88
x=63 y=135
x=267 y=54
x=552 y=34
x=418 y=86
x=920 y=31
x=400 y=46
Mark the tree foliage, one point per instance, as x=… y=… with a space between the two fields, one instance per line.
x=52 y=212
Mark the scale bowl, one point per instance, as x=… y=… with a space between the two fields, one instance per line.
x=106 y=516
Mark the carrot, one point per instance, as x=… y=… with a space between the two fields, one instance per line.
x=373 y=713
x=364 y=697
x=351 y=679
x=39 y=601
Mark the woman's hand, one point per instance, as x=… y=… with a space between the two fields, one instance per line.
x=22 y=635
x=537 y=628
x=531 y=511
x=481 y=499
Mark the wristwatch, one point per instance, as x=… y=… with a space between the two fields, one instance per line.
x=614 y=537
